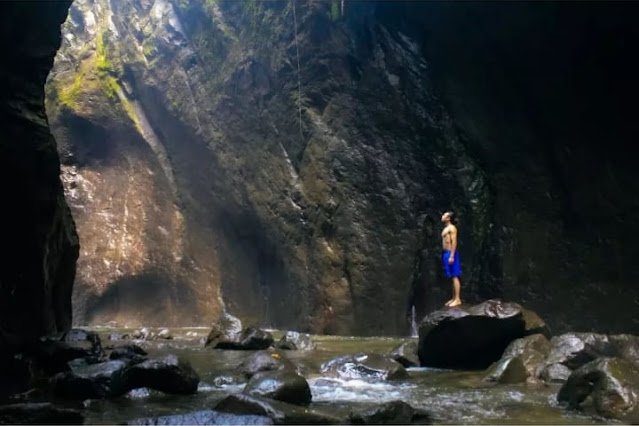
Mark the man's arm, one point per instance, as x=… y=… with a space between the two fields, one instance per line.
x=453 y=244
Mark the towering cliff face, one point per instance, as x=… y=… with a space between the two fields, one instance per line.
x=39 y=238
x=289 y=162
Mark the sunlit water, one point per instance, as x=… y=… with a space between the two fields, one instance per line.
x=451 y=397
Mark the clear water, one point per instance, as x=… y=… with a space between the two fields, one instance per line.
x=451 y=397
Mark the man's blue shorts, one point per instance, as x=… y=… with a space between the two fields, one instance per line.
x=453 y=270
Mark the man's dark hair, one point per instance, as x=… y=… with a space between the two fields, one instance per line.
x=453 y=217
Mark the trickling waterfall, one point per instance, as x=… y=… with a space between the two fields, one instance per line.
x=413 y=322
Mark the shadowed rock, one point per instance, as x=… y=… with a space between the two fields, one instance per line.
x=106 y=379
x=280 y=412
x=286 y=386
x=204 y=417
x=250 y=338
x=264 y=361
x=169 y=375
x=393 y=412
x=39 y=413
x=133 y=354
x=611 y=385
x=363 y=366
x=470 y=337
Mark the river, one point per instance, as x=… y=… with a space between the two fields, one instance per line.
x=451 y=397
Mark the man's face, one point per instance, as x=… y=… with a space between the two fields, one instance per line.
x=446 y=217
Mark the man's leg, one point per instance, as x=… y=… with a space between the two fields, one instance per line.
x=456 y=293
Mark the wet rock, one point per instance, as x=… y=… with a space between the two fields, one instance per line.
x=143 y=334
x=220 y=381
x=507 y=371
x=406 y=354
x=554 y=373
x=204 y=417
x=521 y=360
x=535 y=324
x=470 y=337
x=169 y=375
x=117 y=336
x=365 y=366
x=165 y=334
x=611 y=385
x=82 y=339
x=286 y=386
x=280 y=412
x=133 y=354
x=228 y=328
x=293 y=340
x=106 y=379
x=575 y=349
x=392 y=412
x=249 y=339
x=39 y=413
x=264 y=361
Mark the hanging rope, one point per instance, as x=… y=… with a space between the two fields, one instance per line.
x=299 y=82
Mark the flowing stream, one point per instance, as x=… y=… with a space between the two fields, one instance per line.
x=451 y=397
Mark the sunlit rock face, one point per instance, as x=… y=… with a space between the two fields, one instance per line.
x=288 y=162
x=40 y=245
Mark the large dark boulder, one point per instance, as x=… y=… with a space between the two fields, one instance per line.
x=39 y=413
x=365 y=366
x=611 y=385
x=286 y=386
x=204 y=417
x=250 y=338
x=101 y=380
x=264 y=361
x=169 y=375
x=471 y=337
x=280 y=412
x=294 y=340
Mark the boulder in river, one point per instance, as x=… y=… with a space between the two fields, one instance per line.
x=250 y=338
x=264 y=361
x=406 y=354
x=365 y=366
x=521 y=360
x=287 y=386
x=473 y=337
x=576 y=349
x=280 y=412
x=204 y=417
x=169 y=375
x=392 y=412
x=296 y=341
x=611 y=385
x=106 y=379
x=132 y=353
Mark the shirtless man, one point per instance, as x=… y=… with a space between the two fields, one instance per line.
x=450 y=257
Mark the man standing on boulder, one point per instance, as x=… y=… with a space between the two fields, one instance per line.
x=450 y=257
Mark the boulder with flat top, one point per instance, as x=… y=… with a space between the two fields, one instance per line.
x=474 y=337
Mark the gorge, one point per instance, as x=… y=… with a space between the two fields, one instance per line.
x=287 y=162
